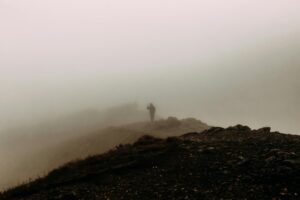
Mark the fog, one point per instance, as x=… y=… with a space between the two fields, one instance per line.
x=224 y=62
x=63 y=62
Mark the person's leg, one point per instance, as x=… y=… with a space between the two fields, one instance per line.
x=152 y=116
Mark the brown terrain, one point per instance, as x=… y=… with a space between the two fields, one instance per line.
x=218 y=163
x=30 y=152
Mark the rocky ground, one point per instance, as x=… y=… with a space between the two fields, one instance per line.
x=35 y=155
x=232 y=163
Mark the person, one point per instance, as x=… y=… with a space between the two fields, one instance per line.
x=152 y=110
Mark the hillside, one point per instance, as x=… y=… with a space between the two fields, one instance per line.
x=232 y=163
x=43 y=148
x=32 y=150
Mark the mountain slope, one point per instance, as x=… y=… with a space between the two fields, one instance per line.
x=232 y=163
x=34 y=149
x=35 y=155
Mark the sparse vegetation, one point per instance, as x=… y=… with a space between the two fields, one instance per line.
x=232 y=163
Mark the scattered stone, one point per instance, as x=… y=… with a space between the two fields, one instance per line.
x=264 y=130
x=232 y=163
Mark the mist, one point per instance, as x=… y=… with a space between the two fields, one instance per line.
x=66 y=61
x=224 y=62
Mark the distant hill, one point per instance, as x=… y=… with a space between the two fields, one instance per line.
x=218 y=163
x=29 y=152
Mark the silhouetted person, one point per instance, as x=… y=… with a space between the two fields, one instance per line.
x=152 y=110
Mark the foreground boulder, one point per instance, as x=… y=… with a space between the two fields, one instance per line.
x=232 y=163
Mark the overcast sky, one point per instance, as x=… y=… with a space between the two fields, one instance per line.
x=224 y=62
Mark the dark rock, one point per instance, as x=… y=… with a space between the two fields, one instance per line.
x=173 y=121
x=270 y=159
x=214 y=130
x=294 y=163
x=264 y=130
x=239 y=128
x=243 y=128
x=190 y=135
x=147 y=139
x=226 y=165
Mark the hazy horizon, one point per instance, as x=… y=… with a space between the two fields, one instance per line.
x=223 y=62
